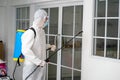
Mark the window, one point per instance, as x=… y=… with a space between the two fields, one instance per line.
x=106 y=38
x=22 y=18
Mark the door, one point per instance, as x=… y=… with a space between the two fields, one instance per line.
x=64 y=23
x=71 y=54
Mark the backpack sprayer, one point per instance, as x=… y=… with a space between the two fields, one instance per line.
x=47 y=60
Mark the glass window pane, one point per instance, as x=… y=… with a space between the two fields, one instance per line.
x=66 y=74
x=67 y=24
x=77 y=53
x=20 y=24
x=113 y=8
x=24 y=13
x=18 y=13
x=23 y=24
x=28 y=13
x=112 y=28
x=27 y=24
x=46 y=9
x=99 y=47
x=99 y=27
x=52 y=40
x=52 y=69
x=77 y=75
x=111 y=48
x=53 y=20
x=100 y=8
x=17 y=24
x=66 y=52
x=78 y=19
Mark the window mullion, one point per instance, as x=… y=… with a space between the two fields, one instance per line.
x=96 y=14
x=105 y=28
x=118 y=47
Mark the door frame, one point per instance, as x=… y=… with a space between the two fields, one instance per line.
x=60 y=5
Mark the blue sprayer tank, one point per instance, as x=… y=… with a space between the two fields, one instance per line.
x=18 y=46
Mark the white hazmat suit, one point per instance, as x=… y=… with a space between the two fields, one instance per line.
x=34 y=49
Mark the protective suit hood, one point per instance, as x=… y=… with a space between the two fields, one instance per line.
x=39 y=17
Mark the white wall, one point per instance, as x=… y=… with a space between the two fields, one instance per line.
x=9 y=26
x=7 y=32
x=3 y=30
x=2 y=18
x=3 y=2
x=23 y=2
x=1 y=22
x=93 y=67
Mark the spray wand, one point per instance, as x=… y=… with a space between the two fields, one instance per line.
x=47 y=60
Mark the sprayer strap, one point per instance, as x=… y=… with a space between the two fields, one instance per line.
x=33 y=31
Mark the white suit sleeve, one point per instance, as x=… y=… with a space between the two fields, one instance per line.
x=27 y=43
x=48 y=46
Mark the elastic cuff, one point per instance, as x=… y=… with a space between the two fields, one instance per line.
x=48 y=46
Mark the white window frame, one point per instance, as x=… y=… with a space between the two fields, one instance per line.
x=105 y=38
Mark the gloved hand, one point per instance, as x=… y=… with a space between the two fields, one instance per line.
x=42 y=64
x=47 y=60
x=53 y=47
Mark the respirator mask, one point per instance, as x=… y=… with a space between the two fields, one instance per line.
x=47 y=22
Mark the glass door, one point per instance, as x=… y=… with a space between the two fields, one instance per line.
x=71 y=54
x=64 y=23
x=52 y=38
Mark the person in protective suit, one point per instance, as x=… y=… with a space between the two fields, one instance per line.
x=34 y=49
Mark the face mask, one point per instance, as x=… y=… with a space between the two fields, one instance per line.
x=46 y=24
